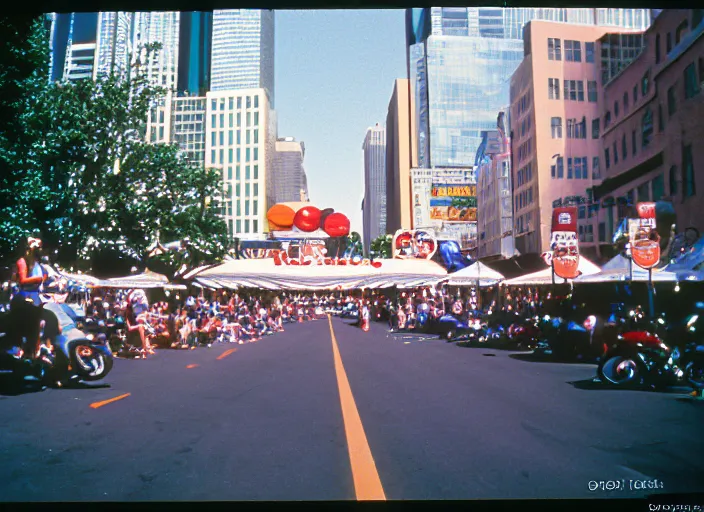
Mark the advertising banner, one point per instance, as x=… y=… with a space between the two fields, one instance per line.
x=421 y=201
x=453 y=203
x=645 y=241
x=565 y=243
x=414 y=244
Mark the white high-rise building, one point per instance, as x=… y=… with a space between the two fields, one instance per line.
x=288 y=180
x=243 y=50
x=80 y=59
x=237 y=141
x=374 y=205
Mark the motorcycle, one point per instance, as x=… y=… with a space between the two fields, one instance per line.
x=451 y=328
x=647 y=358
x=76 y=356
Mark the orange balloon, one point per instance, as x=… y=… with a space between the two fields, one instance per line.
x=280 y=217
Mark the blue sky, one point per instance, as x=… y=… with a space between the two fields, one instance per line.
x=335 y=72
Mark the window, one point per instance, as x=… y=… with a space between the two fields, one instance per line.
x=661 y=119
x=595 y=128
x=647 y=127
x=607 y=119
x=669 y=42
x=553 y=88
x=222 y=156
x=256 y=119
x=246 y=190
x=591 y=91
x=645 y=83
x=255 y=210
x=697 y=16
x=247 y=154
x=256 y=190
x=214 y=139
x=229 y=155
x=231 y=103
x=553 y=171
x=596 y=175
x=658 y=186
x=237 y=173
x=688 y=185
x=580 y=129
x=249 y=102
x=229 y=137
x=560 y=167
x=214 y=121
x=256 y=136
x=239 y=155
x=239 y=119
x=681 y=31
x=573 y=51
x=607 y=160
x=239 y=102
x=229 y=173
x=625 y=102
x=246 y=225
x=615 y=147
x=634 y=148
x=589 y=51
x=624 y=149
x=673 y=181
x=570 y=128
x=246 y=172
x=255 y=222
x=256 y=154
x=249 y=135
x=615 y=108
x=569 y=169
x=602 y=232
x=691 y=84
x=671 y=103
x=222 y=138
x=644 y=192
x=580 y=90
x=256 y=105
x=256 y=172
x=246 y=208
x=657 y=49
x=582 y=213
x=554 y=50
x=571 y=89
x=239 y=223
x=556 y=127
x=635 y=94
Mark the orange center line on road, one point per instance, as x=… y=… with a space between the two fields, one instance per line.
x=95 y=405
x=192 y=366
x=367 y=484
x=227 y=353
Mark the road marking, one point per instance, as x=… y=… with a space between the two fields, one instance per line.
x=227 y=353
x=367 y=485
x=192 y=366
x=95 y=405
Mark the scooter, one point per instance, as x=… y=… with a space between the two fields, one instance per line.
x=76 y=356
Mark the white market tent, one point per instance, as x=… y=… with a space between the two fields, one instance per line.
x=145 y=280
x=263 y=273
x=639 y=274
x=477 y=272
x=544 y=277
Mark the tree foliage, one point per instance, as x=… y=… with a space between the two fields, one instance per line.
x=380 y=247
x=76 y=164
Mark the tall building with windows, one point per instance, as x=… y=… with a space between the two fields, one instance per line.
x=460 y=61
x=243 y=50
x=114 y=44
x=555 y=130
x=287 y=181
x=494 y=197
x=73 y=45
x=237 y=142
x=652 y=120
x=195 y=46
x=374 y=212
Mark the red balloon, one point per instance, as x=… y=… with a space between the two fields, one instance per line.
x=307 y=219
x=324 y=214
x=336 y=225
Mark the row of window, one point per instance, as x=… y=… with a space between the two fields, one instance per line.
x=524 y=198
x=524 y=222
x=586 y=233
x=238 y=190
x=250 y=135
x=573 y=50
x=573 y=90
x=214 y=103
x=575 y=129
x=644 y=87
x=646 y=139
x=255 y=173
x=236 y=226
x=525 y=125
x=680 y=32
x=254 y=208
x=525 y=150
x=577 y=168
x=249 y=156
x=523 y=103
x=214 y=118
x=525 y=175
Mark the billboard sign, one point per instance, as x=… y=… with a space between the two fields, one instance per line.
x=453 y=203
x=414 y=244
x=564 y=242
x=645 y=240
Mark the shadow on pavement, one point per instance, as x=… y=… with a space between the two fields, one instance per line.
x=10 y=388
x=533 y=357
x=594 y=384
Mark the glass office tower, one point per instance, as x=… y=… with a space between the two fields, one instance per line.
x=460 y=60
x=195 y=38
x=243 y=50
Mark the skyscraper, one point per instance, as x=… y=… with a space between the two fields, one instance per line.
x=195 y=45
x=460 y=61
x=374 y=214
x=287 y=181
x=243 y=50
x=73 y=45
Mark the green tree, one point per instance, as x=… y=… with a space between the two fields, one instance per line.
x=380 y=247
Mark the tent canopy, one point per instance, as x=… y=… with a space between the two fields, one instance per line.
x=640 y=275
x=542 y=277
x=263 y=273
x=145 y=280
x=476 y=272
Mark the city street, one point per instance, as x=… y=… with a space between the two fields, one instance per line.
x=282 y=418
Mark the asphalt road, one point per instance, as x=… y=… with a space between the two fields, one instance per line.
x=274 y=420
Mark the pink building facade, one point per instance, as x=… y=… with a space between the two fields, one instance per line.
x=652 y=116
x=555 y=142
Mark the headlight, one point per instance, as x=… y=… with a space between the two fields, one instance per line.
x=89 y=336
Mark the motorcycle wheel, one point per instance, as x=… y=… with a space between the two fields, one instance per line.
x=88 y=363
x=694 y=373
x=622 y=371
x=450 y=335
